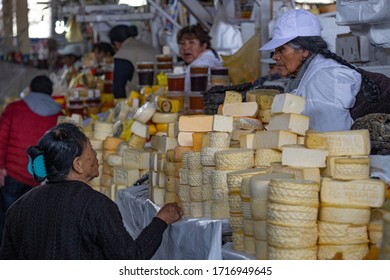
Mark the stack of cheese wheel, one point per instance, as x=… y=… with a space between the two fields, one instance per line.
x=230 y=160
x=110 y=159
x=259 y=185
x=184 y=187
x=109 y=148
x=385 y=247
x=375 y=227
x=172 y=170
x=347 y=193
x=292 y=219
x=219 y=138
x=157 y=176
x=164 y=140
x=248 y=222
x=234 y=183
x=195 y=182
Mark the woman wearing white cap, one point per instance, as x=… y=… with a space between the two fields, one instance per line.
x=329 y=83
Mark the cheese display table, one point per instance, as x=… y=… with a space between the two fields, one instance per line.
x=187 y=239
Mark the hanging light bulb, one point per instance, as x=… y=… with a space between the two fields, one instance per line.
x=133 y=3
x=60 y=27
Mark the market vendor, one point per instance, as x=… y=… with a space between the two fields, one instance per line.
x=71 y=58
x=65 y=218
x=129 y=51
x=195 y=49
x=329 y=83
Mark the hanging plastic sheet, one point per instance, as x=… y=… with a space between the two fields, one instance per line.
x=187 y=239
x=225 y=36
x=362 y=11
x=244 y=65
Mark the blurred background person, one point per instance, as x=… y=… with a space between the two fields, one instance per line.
x=103 y=52
x=66 y=218
x=195 y=50
x=71 y=58
x=129 y=52
x=103 y=56
x=21 y=125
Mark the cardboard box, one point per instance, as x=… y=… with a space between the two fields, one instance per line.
x=347 y=47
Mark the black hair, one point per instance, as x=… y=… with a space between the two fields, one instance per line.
x=317 y=45
x=196 y=31
x=59 y=147
x=42 y=83
x=121 y=32
x=104 y=47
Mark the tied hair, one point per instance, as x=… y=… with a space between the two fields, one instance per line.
x=34 y=152
x=317 y=45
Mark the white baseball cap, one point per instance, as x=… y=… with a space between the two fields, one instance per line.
x=290 y=25
x=75 y=49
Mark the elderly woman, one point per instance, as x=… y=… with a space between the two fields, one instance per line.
x=65 y=218
x=329 y=83
x=195 y=49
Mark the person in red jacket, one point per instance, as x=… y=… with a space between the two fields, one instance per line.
x=22 y=124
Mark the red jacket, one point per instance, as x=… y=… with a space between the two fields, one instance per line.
x=20 y=128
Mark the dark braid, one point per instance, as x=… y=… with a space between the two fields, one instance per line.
x=317 y=45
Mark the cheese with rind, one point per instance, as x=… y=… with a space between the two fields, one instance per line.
x=274 y=139
x=275 y=253
x=304 y=173
x=332 y=233
x=264 y=157
x=291 y=237
x=232 y=96
x=349 y=251
x=344 y=215
x=234 y=159
x=294 y=192
x=219 y=139
x=199 y=123
x=223 y=123
x=295 y=123
x=292 y=215
x=136 y=159
x=299 y=156
x=259 y=185
x=348 y=143
x=360 y=193
x=245 y=109
x=288 y=103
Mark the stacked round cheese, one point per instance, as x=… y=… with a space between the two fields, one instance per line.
x=195 y=182
x=248 y=221
x=375 y=227
x=172 y=179
x=110 y=159
x=292 y=215
x=264 y=157
x=184 y=187
x=230 y=160
x=385 y=247
x=234 y=184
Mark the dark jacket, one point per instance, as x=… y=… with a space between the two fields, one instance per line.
x=70 y=220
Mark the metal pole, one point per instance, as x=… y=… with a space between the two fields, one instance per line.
x=158 y=8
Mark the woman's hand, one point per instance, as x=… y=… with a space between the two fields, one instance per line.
x=170 y=213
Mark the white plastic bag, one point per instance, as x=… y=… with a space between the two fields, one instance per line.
x=362 y=11
x=225 y=36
